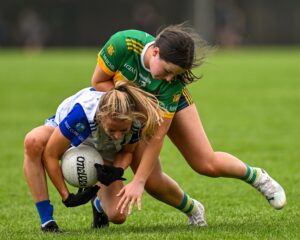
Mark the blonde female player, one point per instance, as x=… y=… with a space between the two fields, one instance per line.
x=112 y=122
x=162 y=66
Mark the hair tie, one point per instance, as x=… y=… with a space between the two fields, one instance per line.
x=131 y=98
x=121 y=89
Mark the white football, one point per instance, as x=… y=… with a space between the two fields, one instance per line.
x=77 y=165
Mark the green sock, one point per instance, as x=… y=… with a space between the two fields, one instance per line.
x=188 y=205
x=251 y=175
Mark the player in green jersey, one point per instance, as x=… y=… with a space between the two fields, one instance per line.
x=122 y=58
x=162 y=66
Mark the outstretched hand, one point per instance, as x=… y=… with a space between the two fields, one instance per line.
x=108 y=174
x=82 y=197
x=130 y=194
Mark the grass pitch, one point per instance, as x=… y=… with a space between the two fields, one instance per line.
x=249 y=103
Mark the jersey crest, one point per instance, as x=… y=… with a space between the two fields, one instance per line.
x=176 y=97
x=110 y=50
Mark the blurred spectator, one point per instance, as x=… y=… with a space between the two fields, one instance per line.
x=146 y=17
x=230 y=23
x=34 y=32
x=86 y=23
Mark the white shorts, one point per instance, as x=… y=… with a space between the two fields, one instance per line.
x=51 y=122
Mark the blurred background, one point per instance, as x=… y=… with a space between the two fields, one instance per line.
x=227 y=23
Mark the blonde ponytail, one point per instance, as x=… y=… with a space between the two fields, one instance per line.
x=128 y=102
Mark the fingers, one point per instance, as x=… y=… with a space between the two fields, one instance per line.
x=98 y=166
x=124 y=205
x=129 y=195
x=131 y=204
x=90 y=191
x=124 y=202
x=127 y=202
x=122 y=199
x=121 y=192
x=139 y=203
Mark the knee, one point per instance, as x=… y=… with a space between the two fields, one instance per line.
x=33 y=145
x=117 y=218
x=207 y=166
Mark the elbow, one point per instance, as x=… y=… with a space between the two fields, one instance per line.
x=94 y=83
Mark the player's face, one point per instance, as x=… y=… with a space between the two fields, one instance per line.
x=116 y=128
x=161 y=69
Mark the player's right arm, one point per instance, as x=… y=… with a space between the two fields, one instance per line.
x=101 y=81
x=74 y=128
x=108 y=62
x=133 y=191
x=55 y=147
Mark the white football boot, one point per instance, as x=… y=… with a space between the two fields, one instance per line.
x=198 y=217
x=271 y=189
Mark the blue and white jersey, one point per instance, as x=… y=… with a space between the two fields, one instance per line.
x=75 y=117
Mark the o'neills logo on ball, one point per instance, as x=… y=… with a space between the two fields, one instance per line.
x=82 y=175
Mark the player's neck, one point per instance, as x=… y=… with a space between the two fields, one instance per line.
x=147 y=56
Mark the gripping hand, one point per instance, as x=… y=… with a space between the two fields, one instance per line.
x=108 y=174
x=82 y=197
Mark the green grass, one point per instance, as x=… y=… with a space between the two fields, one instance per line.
x=249 y=102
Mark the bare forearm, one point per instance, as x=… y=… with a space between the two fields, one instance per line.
x=54 y=171
x=123 y=160
x=149 y=159
x=101 y=81
x=151 y=153
x=103 y=86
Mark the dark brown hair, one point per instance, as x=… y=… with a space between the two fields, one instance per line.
x=181 y=45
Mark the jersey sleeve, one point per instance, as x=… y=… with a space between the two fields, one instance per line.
x=111 y=55
x=75 y=125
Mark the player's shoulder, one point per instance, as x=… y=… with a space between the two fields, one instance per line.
x=134 y=35
x=88 y=92
x=88 y=97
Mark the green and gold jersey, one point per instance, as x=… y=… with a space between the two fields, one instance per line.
x=122 y=57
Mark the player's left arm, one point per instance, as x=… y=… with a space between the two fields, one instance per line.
x=123 y=158
x=107 y=174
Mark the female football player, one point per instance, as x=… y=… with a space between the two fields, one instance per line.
x=112 y=122
x=162 y=66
